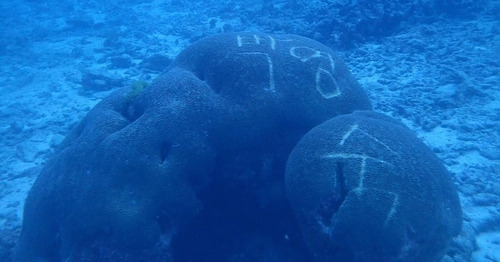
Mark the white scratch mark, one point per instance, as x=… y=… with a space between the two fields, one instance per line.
x=303 y=57
x=392 y=211
x=348 y=134
x=239 y=41
x=378 y=141
x=332 y=62
x=273 y=42
x=256 y=39
x=272 y=84
x=332 y=84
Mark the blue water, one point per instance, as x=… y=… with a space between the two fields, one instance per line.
x=250 y=130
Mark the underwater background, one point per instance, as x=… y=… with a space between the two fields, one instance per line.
x=432 y=64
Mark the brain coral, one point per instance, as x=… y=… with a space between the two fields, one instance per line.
x=366 y=189
x=192 y=168
x=138 y=169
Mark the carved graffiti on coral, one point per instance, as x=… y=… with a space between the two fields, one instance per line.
x=272 y=84
x=391 y=182
x=255 y=40
x=304 y=53
x=360 y=188
x=325 y=82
